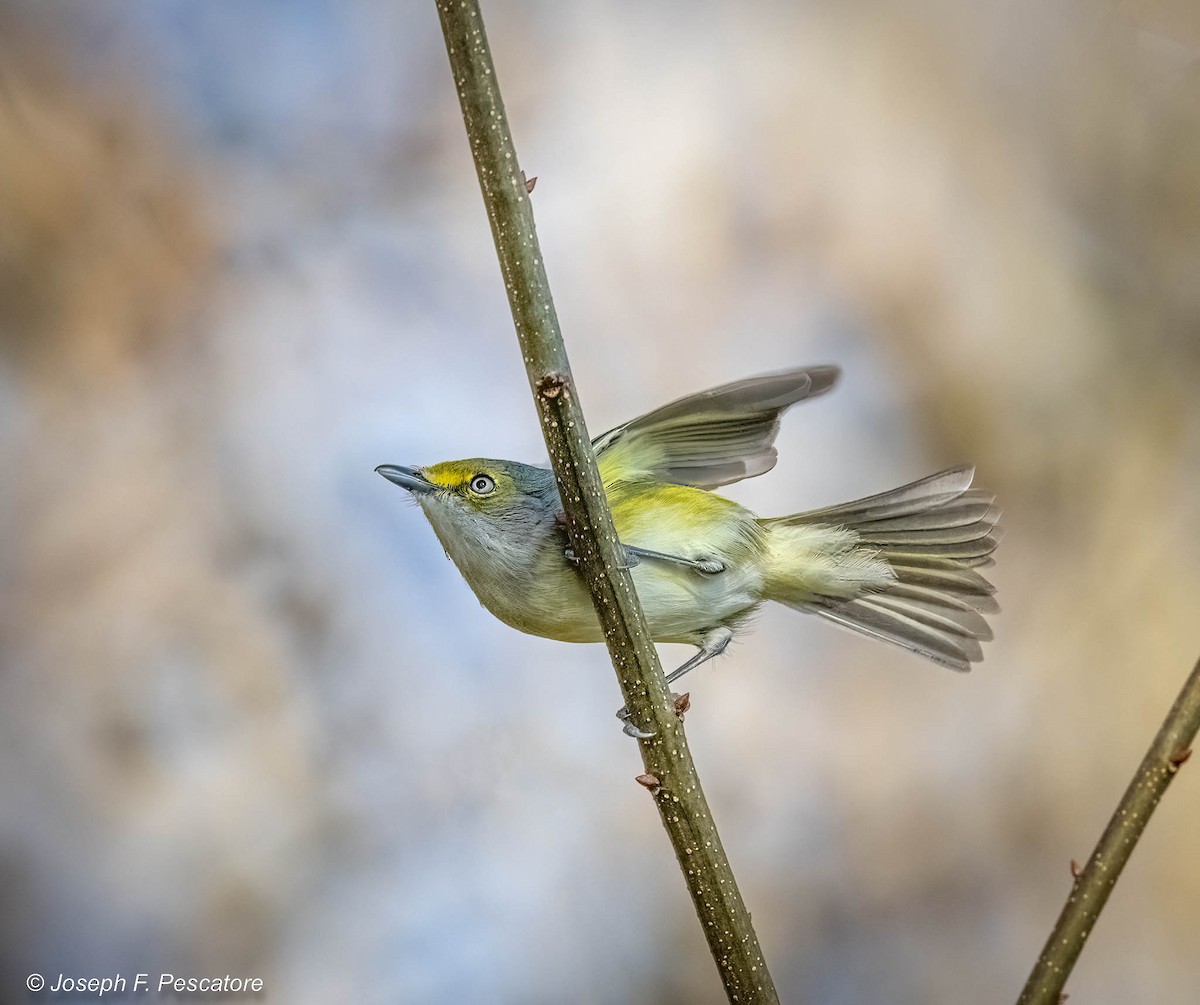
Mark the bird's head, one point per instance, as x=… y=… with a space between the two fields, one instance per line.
x=482 y=510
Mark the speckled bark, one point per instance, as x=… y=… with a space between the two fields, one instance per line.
x=670 y=776
x=1167 y=754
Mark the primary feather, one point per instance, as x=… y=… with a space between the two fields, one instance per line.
x=711 y=438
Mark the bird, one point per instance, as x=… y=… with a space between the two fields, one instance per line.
x=901 y=566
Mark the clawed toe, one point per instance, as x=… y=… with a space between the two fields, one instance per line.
x=681 y=703
x=629 y=729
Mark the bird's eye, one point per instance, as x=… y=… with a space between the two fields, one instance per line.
x=481 y=485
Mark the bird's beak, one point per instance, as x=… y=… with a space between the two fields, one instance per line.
x=406 y=478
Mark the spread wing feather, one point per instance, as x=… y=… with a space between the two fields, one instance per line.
x=711 y=438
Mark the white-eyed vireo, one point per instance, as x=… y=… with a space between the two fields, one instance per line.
x=901 y=566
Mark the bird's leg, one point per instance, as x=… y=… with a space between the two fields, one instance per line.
x=560 y=521
x=709 y=565
x=631 y=558
x=714 y=643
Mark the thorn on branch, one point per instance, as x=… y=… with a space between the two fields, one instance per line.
x=682 y=702
x=1076 y=869
x=1178 y=759
x=529 y=182
x=552 y=385
x=649 y=782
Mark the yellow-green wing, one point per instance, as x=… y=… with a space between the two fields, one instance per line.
x=711 y=438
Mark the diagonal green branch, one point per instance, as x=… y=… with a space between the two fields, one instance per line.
x=1170 y=749
x=672 y=779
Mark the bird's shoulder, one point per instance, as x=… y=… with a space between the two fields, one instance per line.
x=645 y=504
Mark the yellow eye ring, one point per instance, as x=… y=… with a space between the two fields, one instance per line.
x=482 y=485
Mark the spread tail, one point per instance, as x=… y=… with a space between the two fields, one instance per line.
x=899 y=566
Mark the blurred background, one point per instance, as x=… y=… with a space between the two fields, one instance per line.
x=253 y=722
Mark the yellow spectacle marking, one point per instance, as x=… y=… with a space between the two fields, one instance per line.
x=451 y=474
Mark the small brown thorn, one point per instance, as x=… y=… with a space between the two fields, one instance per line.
x=529 y=182
x=1178 y=759
x=649 y=782
x=682 y=702
x=1076 y=869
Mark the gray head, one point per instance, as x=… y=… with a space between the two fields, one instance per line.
x=488 y=514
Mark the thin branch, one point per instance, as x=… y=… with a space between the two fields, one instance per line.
x=1095 y=881
x=672 y=781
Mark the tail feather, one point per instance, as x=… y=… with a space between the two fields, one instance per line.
x=980 y=547
x=963 y=511
x=980 y=561
x=926 y=563
x=941 y=647
x=954 y=525
x=942 y=616
x=918 y=547
x=984 y=603
x=916 y=497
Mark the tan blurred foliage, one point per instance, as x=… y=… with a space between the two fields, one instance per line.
x=114 y=542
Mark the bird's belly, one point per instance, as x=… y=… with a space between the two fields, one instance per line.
x=682 y=604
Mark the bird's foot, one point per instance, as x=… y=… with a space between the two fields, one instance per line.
x=682 y=703
x=629 y=729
